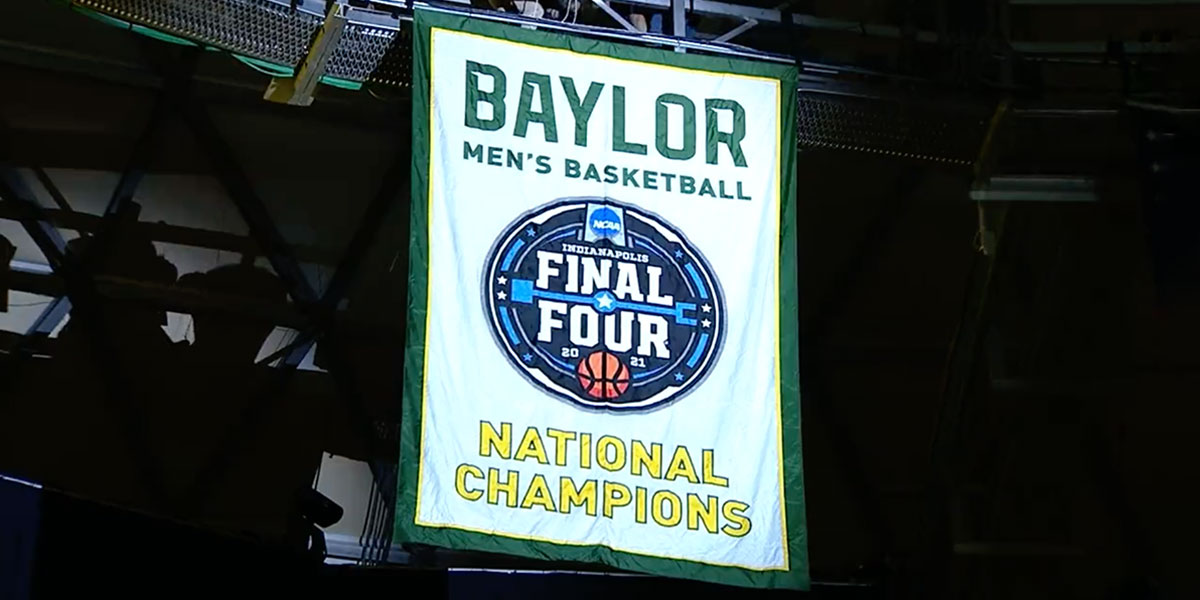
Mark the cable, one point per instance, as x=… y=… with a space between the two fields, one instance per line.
x=264 y=67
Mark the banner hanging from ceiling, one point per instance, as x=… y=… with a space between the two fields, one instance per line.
x=602 y=355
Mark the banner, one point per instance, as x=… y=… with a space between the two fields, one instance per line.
x=602 y=341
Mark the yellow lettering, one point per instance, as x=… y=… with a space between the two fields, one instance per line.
x=706 y=512
x=509 y=487
x=618 y=462
x=651 y=460
x=615 y=495
x=666 y=518
x=490 y=440
x=569 y=496
x=739 y=523
x=538 y=494
x=639 y=504
x=560 y=445
x=682 y=466
x=460 y=481
x=531 y=446
x=585 y=450
x=706 y=467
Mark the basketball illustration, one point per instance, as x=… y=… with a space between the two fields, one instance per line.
x=602 y=375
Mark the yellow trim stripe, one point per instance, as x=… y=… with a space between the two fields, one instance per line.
x=428 y=291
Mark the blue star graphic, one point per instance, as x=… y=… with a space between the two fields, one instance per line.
x=605 y=302
x=678 y=254
x=527 y=356
x=679 y=377
x=529 y=231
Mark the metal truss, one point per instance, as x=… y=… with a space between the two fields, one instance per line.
x=318 y=309
x=82 y=291
x=85 y=305
x=118 y=203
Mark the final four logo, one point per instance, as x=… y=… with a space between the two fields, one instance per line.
x=603 y=304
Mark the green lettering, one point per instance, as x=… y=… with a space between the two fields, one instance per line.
x=687 y=185
x=545 y=114
x=571 y=168
x=581 y=110
x=721 y=190
x=494 y=98
x=515 y=159
x=619 y=144
x=475 y=152
x=629 y=177
x=662 y=127
x=732 y=139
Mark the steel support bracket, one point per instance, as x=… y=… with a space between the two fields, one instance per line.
x=298 y=90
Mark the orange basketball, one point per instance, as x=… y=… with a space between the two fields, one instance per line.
x=602 y=375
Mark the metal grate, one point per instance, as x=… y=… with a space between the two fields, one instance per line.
x=902 y=128
x=271 y=31
x=257 y=28
x=373 y=54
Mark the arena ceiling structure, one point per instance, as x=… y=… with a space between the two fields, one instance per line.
x=998 y=269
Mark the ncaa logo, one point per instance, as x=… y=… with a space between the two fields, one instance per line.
x=605 y=222
x=603 y=304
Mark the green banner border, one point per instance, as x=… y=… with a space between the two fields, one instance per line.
x=797 y=576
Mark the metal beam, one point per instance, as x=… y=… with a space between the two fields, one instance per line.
x=1034 y=188
x=58 y=308
x=235 y=182
x=55 y=194
x=616 y=16
x=736 y=31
